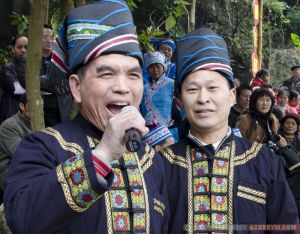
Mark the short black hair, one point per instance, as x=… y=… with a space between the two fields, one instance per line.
x=262 y=73
x=22 y=98
x=295 y=67
x=293 y=94
x=14 y=39
x=48 y=26
x=241 y=88
x=283 y=92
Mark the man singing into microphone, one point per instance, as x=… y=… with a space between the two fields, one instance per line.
x=78 y=177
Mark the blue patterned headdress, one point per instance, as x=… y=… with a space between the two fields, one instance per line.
x=155 y=57
x=169 y=43
x=203 y=49
x=91 y=30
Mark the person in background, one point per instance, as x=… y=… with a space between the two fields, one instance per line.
x=262 y=78
x=12 y=130
x=289 y=130
x=259 y=124
x=167 y=47
x=243 y=94
x=79 y=173
x=282 y=103
x=292 y=82
x=217 y=179
x=294 y=100
x=54 y=87
x=157 y=100
x=12 y=80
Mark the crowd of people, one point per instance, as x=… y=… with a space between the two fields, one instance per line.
x=213 y=153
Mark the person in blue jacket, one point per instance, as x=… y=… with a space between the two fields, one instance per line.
x=156 y=105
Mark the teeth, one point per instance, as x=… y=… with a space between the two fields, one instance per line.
x=120 y=104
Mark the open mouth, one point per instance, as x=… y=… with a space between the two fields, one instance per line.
x=115 y=108
x=203 y=111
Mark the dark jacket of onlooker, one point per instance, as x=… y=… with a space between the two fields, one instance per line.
x=9 y=74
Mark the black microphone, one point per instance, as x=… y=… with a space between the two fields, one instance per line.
x=132 y=139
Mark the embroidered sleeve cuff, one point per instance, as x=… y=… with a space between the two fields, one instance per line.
x=75 y=182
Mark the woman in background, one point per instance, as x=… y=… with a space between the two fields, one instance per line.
x=157 y=101
x=260 y=124
x=167 y=47
x=262 y=78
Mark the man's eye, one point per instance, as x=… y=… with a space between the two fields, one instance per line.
x=105 y=75
x=212 y=88
x=134 y=76
x=191 y=89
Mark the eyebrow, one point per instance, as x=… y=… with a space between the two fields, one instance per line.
x=197 y=83
x=135 y=69
x=102 y=68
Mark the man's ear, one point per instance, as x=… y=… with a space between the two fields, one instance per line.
x=22 y=106
x=74 y=82
x=233 y=96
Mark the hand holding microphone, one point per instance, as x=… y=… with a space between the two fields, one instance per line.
x=122 y=133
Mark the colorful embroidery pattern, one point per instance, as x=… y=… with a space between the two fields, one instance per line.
x=210 y=190
x=127 y=196
x=121 y=221
x=77 y=178
x=84 y=31
x=201 y=185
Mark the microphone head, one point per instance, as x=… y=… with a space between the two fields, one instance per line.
x=133 y=140
x=133 y=145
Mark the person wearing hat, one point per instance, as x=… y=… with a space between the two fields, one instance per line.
x=157 y=100
x=292 y=82
x=78 y=177
x=216 y=179
x=168 y=47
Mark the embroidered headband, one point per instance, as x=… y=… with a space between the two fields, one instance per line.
x=92 y=30
x=203 y=49
x=155 y=57
x=168 y=42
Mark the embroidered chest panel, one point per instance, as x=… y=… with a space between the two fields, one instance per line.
x=127 y=201
x=210 y=183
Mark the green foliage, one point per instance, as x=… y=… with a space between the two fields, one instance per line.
x=5 y=56
x=295 y=39
x=175 y=13
x=280 y=62
x=145 y=36
x=132 y=5
x=21 y=21
x=276 y=5
x=294 y=17
x=55 y=21
x=170 y=22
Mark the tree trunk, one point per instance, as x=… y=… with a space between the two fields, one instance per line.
x=33 y=64
x=260 y=34
x=46 y=18
x=192 y=13
x=79 y=2
x=65 y=7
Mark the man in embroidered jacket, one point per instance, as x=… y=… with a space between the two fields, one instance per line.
x=77 y=176
x=218 y=180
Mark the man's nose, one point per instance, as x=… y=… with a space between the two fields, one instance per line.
x=121 y=84
x=203 y=97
